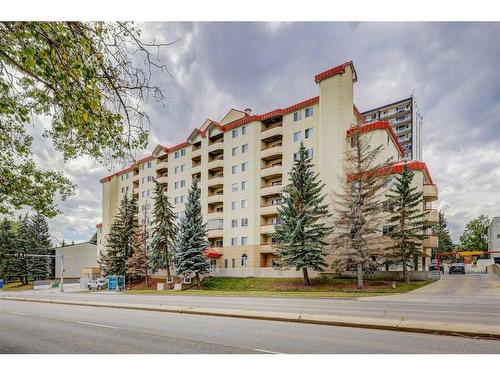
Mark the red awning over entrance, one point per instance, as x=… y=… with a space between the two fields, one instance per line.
x=211 y=252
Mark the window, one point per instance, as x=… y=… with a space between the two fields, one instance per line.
x=219 y=243
x=234 y=151
x=182 y=198
x=297 y=116
x=234 y=205
x=308 y=112
x=176 y=170
x=233 y=263
x=234 y=169
x=244 y=166
x=177 y=154
x=295 y=156
x=234 y=223
x=386 y=229
x=225 y=263
x=309 y=153
x=123 y=190
x=143 y=179
x=176 y=200
x=243 y=130
x=183 y=183
x=234 y=241
x=244 y=203
x=276 y=221
x=176 y=184
x=143 y=194
x=244 y=260
x=244 y=222
x=498 y=236
x=182 y=167
x=149 y=164
x=297 y=136
x=235 y=133
x=244 y=185
x=122 y=177
x=234 y=187
x=308 y=133
x=183 y=152
x=244 y=240
x=150 y=178
x=127 y=176
x=244 y=148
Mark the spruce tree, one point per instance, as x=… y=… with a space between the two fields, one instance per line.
x=300 y=236
x=164 y=232
x=23 y=244
x=112 y=262
x=40 y=247
x=358 y=207
x=137 y=264
x=10 y=265
x=192 y=240
x=93 y=239
x=408 y=224
x=445 y=244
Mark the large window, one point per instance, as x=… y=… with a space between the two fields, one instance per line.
x=244 y=222
x=308 y=112
x=244 y=166
x=244 y=148
x=244 y=260
x=244 y=185
x=297 y=116
x=234 y=151
x=297 y=136
x=244 y=203
x=215 y=224
x=244 y=240
x=234 y=169
x=234 y=223
x=308 y=133
x=234 y=187
x=234 y=241
x=235 y=133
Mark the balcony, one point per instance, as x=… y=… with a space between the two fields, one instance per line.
x=431 y=241
x=162 y=179
x=135 y=178
x=217 y=163
x=271 y=171
x=267 y=248
x=161 y=166
x=430 y=192
x=267 y=229
x=272 y=151
x=216 y=181
x=271 y=209
x=270 y=190
x=272 y=131
x=215 y=215
x=214 y=233
x=431 y=216
x=216 y=198
x=217 y=145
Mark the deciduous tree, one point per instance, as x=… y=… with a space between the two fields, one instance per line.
x=475 y=235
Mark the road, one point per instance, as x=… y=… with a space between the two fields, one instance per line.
x=473 y=298
x=27 y=327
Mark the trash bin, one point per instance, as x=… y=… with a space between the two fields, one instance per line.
x=1 y=283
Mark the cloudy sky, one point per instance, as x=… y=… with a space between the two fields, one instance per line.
x=452 y=68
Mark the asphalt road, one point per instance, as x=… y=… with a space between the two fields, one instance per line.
x=27 y=327
x=470 y=298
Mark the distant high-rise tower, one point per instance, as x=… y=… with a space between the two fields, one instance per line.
x=406 y=121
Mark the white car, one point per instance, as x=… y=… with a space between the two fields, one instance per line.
x=98 y=284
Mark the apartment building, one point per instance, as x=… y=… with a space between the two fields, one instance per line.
x=494 y=238
x=242 y=162
x=406 y=121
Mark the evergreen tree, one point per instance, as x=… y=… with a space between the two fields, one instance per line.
x=164 y=232
x=93 y=239
x=358 y=207
x=475 y=235
x=23 y=244
x=300 y=236
x=408 y=224
x=40 y=246
x=137 y=264
x=445 y=243
x=192 y=239
x=10 y=265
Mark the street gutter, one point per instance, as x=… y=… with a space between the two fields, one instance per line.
x=429 y=327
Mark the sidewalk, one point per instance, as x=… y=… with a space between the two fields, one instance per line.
x=462 y=329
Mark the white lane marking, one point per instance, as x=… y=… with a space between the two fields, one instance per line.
x=20 y=313
x=267 y=351
x=97 y=325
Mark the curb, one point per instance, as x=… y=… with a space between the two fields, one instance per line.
x=414 y=326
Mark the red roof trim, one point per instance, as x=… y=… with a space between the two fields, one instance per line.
x=377 y=125
x=340 y=69
x=127 y=169
x=397 y=167
x=358 y=115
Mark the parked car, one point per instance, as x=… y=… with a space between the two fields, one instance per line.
x=100 y=283
x=457 y=268
x=434 y=267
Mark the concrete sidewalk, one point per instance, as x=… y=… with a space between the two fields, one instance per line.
x=443 y=328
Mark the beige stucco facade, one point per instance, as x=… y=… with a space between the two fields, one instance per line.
x=242 y=162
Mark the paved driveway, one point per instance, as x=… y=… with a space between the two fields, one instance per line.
x=471 y=288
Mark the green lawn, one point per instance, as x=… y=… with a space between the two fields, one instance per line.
x=290 y=287
x=17 y=287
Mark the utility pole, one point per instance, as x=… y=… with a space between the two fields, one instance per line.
x=61 y=283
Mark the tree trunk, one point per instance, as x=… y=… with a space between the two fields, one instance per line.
x=405 y=272
x=147 y=280
x=360 y=276
x=307 y=282
x=198 y=280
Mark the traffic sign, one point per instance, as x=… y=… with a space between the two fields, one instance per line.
x=21 y=255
